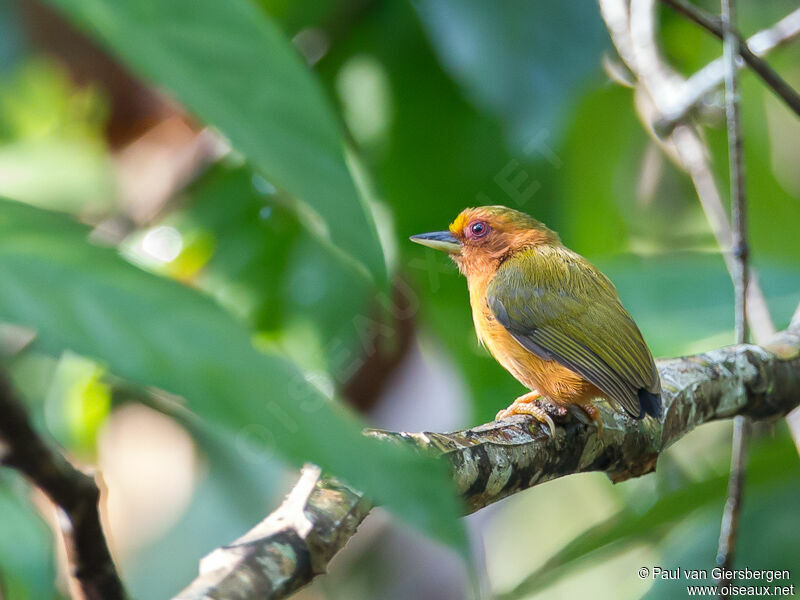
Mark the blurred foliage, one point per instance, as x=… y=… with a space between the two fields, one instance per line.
x=10 y=35
x=251 y=237
x=27 y=561
x=488 y=49
x=49 y=126
x=695 y=541
x=79 y=401
x=215 y=516
x=410 y=112
x=287 y=130
x=157 y=333
x=269 y=270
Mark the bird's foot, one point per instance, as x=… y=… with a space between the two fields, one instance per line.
x=594 y=414
x=533 y=403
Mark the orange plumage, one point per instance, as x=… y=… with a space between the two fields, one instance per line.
x=548 y=377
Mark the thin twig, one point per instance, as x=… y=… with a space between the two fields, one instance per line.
x=495 y=460
x=736 y=166
x=741 y=429
x=715 y=25
x=729 y=528
x=73 y=492
x=712 y=75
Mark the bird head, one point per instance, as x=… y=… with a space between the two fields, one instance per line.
x=481 y=238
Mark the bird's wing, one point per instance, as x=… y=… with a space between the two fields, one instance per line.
x=560 y=307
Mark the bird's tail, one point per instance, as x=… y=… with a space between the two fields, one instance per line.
x=650 y=403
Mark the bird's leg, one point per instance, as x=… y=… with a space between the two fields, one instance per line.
x=594 y=414
x=528 y=404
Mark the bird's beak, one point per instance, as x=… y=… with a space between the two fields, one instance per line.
x=438 y=240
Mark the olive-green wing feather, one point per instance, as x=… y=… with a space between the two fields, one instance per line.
x=560 y=307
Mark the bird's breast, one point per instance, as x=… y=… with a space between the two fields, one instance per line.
x=496 y=338
x=547 y=376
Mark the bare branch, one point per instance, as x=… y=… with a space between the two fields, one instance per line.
x=499 y=459
x=73 y=492
x=736 y=169
x=714 y=25
x=288 y=548
x=729 y=528
x=707 y=79
x=741 y=427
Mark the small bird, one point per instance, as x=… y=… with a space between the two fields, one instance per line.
x=549 y=317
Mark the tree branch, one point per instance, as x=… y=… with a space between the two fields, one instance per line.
x=73 y=492
x=712 y=75
x=729 y=528
x=496 y=460
x=714 y=25
x=287 y=549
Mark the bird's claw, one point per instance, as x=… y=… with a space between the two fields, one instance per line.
x=528 y=405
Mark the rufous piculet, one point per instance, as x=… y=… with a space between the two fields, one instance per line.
x=549 y=317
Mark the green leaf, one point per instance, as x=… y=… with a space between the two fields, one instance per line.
x=157 y=332
x=513 y=58
x=229 y=64
x=252 y=236
x=26 y=554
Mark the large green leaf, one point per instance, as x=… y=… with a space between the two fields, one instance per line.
x=515 y=58
x=230 y=65
x=278 y=276
x=160 y=333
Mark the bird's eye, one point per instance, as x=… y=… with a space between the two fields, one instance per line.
x=478 y=229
